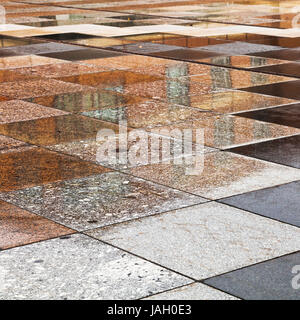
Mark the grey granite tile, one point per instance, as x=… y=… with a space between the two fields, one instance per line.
x=99 y=200
x=78 y=267
x=280 y=203
x=203 y=240
x=194 y=291
x=270 y=280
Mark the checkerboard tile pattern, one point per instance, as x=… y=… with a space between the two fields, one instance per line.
x=69 y=69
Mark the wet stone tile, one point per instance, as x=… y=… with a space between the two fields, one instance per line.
x=54 y=130
x=217 y=174
x=284 y=151
x=30 y=166
x=257 y=282
x=109 y=274
x=287 y=115
x=20 y=227
x=81 y=54
x=87 y=100
x=8 y=143
x=290 y=89
x=279 y=203
x=37 y=88
x=194 y=291
x=285 y=54
x=18 y=110
x=99 y=200
x=235 y=102
x=218 y=239
x=286 y=69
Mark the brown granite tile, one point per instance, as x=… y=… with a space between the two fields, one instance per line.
x=19 y=227
x=37 y=88
x=54 y=130
x=31 y=166
x=18 y=110
x=7 y=143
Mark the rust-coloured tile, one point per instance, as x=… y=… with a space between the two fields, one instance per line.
x=54 y=130
x=18 y=110
x=20 y=227
x=37 y=88
x=7 y=143
x=32 y=166
x=59 y=70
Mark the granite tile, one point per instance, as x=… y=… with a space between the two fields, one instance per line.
x=91 y=271
x=286 y=69
x=18 y=110
x=30 y=166
x=270 y=280
x=284 y=151
x=213 y=237
x=26 y=61
x=20 y=227
x=99 y=200
x=194 y=291
x=8 y=143
x=285 y=54
x=221 y=174
x=287 y=115
x=288 y=89
x=279 y=203
x=54 y=130
x=37 y=88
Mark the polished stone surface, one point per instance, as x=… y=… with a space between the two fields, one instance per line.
x=284 y=151
x=257 y=282
x=91 y=270
x=271 y=202
x=213 y=237
x=73 y=74
x=99 y=200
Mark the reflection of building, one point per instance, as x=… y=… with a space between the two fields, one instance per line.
x=2 y=15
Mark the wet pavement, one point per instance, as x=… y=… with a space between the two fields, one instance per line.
x=74 y=225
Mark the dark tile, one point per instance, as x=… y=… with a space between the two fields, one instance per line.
x=270 y=280
x=286 y=69
x=187 y=54
x=281 y=203
x=55 y=130
x=284 y=151
x=85 y=54
x=288 y=115
x=64 y=36
x=289 y=89
x=20 y=227
x=30 y=166
x=285 y=54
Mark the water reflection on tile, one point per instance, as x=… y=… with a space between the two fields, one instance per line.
x=20 y=227
x=99 y=200
x=87 y=100
x=235 y=101
x=225 y=131
x=54 y=130
x=31 y=166
x=224 y=174
x=18 y=110
x=287 y=69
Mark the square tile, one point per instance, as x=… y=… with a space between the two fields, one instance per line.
x=286 y=69
x=109 y=274
x=270 y=280
x=223 y=174
x=26 y=61
x=29 y=166
x=54 y=130
x=284 y=151
x=290 y=89
x=8 y=143
x=194 y=291
x=18 y=110
x=99 y=200
x=37 y=88
x=285 y=54
x=213 y=237
x=288 y=115
x=279 y=203
x=20 y=227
